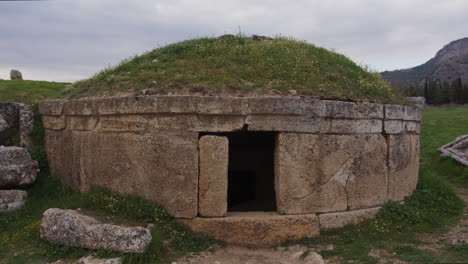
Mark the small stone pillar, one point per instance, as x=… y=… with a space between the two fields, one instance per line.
x=213 y=181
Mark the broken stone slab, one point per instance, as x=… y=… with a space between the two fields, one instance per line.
x=341 y=219
x=16 y=167
x=11 y=200
x=72 y=228
x=457 y=150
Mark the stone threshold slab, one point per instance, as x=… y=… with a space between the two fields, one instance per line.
x=256 y=229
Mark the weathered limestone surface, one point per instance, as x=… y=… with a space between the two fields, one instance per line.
x=71 y=228
x=254 y=229
x=341 y=219
x=26 y=122
x=457 y=149
x=16 y=167
x=213 y=181
x=327 y=173
x=330 y=155
x=403 y=165
x=160 y=167
x=216 y=114
x=11 y=200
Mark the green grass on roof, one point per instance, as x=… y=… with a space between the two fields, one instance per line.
x=239 y=65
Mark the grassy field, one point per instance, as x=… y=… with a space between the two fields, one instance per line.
x=239 y=65
x=25 y=91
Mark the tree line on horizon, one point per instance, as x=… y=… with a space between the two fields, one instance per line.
x=438 y=93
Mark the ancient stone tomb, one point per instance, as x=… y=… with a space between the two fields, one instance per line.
x=267 y=168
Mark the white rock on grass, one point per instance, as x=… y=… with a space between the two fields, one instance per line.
x=16 y=167
x=92 y=260
x=72 y=228
x=314 y=258
x=11 y=200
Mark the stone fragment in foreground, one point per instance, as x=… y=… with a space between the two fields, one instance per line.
x=72 y=228
x=16 y=167
x=11 y=200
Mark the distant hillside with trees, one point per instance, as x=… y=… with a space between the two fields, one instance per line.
x=441 y=80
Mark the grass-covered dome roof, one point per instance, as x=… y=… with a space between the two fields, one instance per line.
x=239 y=65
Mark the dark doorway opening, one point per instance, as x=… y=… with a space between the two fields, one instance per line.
x=251 y=171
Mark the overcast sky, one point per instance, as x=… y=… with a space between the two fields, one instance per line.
x=67 y=40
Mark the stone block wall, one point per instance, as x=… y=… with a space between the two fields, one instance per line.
x=330 y=157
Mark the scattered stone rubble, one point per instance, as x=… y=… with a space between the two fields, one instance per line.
x=457 y=150
x=72 y=228
x=11 y=199
x=16 y=167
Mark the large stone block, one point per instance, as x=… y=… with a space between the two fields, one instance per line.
x=326 y=173
x=213 y=182
x=16 y=167
x=63 y=154
x=287 y=123
x=255 y=229
x=356 y=126
x=198 y=123
x=160 y=167
x=54 y=122
x=403 y=165
x=394 y=112
x=72 y=228
x=341 y=219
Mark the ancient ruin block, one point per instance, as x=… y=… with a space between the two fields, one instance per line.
x=412 y=113
x=82 y=123
x=327 y=173
x=160 y=167
x=394 y=126
x=123 y=124
x=213 y=181
x=403 y=165
x=212 y=156
x=253 y=229
x=16 y=167
x=53 y=122
x=394 y=112
x=355 y=126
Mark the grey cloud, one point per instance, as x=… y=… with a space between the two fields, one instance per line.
x=68 y=40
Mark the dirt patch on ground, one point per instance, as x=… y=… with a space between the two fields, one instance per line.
x=238 y=255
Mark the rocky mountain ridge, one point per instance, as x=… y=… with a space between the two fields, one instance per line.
x=449 y=63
